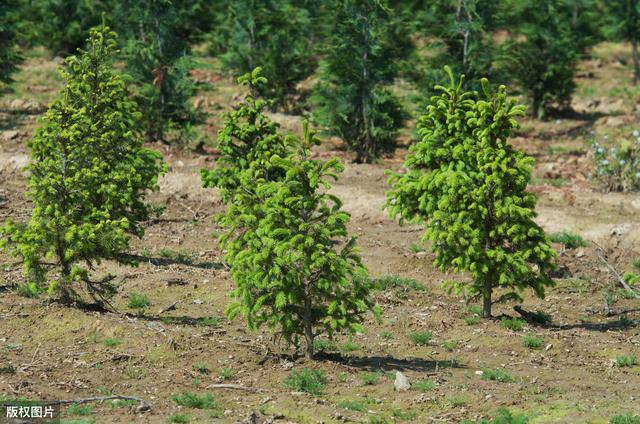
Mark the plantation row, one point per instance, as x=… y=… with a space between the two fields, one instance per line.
x=356 y=49
x=295 y=267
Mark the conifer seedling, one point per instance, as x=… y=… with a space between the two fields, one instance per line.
x=467 y=185
x=89 y=174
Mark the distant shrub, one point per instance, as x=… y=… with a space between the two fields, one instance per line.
x=308 y=381
x=29 y=289
x=369 y=378
x=325 y=345
x=568 y=240
x=515 y=324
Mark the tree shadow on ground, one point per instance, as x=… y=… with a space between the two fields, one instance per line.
x=179 y=260
x=388 y=363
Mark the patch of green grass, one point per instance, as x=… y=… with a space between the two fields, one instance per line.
x=474 y=310
x=135 y=373
x=515 y=324
x=307 y=380
x=192 y=400
x=636 y=263
x=201 y=367
x=625 y=419
x=402 y=415
x=325 y=345
x=626 y=361
x=424 y=385
x=502 y=376
x=138 y=301
x=556 y=182
x=394 y=281
x=416 y=248
x=179 y=419
x=532 y=342
x=472 y=320
x=88 y=420
x=77 y=409
x=568 y=240
x=457 y=400
x=369 y=378
x=352 y=405
x=387 y=335
x=167 y=320
x=504 y=416
x=421 y=338
x=111 y=341
x=348 y=346
x=450 y=345
x=226 y=373
x=625 y=294
x=378 y=419
x=30 y=290
x=208 y=322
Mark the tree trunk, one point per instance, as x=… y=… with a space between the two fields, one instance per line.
x=636 y=62
x=308 y=328
x=486 y=296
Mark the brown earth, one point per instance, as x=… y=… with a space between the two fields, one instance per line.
x=48 y=351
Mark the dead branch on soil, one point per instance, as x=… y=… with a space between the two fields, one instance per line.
x=143 y=405
x=612 y=269
x=234 y=387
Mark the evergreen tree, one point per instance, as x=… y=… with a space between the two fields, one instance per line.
x=63 y=25
x=468 y=186
x=363 y=54
x=272 y=34
x=624 y=23
x=158 y=57
x=289 y=269
x=88 y=175
x=9 y=56
x=543 y=54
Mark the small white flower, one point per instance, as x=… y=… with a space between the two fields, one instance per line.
x=600 y=150
x=622 y=162
x=606 y=137
x=605 y=162
x=636 y=133
x=638 y=174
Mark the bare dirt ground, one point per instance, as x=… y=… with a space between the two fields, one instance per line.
x=48 y=351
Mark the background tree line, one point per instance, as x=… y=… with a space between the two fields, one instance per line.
x=334 y=60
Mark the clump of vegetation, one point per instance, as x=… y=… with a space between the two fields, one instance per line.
x=77 y=409
x=532 y=342
x=192 y=400
x=625 y=419
x=369 y=378
x=617 y=167
x=308 y=381
x=515 y=324
x=476 y=230
x=226 y=373
x=568 y=240
x=472 y=320
x=502 y=376
x=138 y=301
x=394 y=281
x=179 y=419
x=504 y=416
x=88 y=177
x=201 y=367
x=421 y=338
x=208 y=322
x=326 y=345
x=111 y=341
x=348 y=346
x=424 y=385
x=626 y=361
x=450 y=345
x=352 y=405
x=9 y=55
